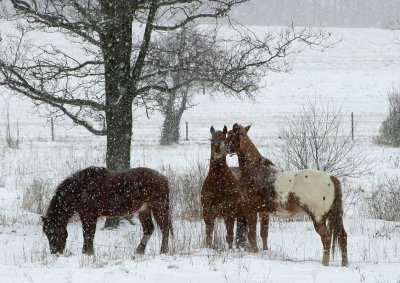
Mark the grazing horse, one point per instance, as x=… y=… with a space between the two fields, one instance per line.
x=266 y=188
x=96 y=191
x=220 y=196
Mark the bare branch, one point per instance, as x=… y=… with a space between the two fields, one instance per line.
x=316 y=140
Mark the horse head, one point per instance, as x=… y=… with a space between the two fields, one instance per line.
x=217 y=142
x=235 y=136
x=56 y=235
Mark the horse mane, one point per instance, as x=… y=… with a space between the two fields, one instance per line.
x=252 y=152
x=73 y=186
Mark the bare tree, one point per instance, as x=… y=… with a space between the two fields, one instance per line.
x=183 y=55
x=316 y=140
x=197 y=60
x=93 y=72
x=194 y=62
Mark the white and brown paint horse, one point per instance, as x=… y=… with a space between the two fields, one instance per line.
x=266 y=188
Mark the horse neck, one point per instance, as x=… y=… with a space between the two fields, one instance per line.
x=217 y=163
x=62 y=207
x=249 y=154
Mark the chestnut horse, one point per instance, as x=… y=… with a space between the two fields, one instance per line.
x=96 y=191
x=220 y=196
x=266 y=188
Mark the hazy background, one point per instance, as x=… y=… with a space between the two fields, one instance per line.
x=332 y=13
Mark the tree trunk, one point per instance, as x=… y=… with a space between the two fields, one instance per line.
x=170 y=132
x=170 y=129
x=117 y=48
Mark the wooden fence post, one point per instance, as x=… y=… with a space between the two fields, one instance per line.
x=52 y=129
x=352 y=126
x=187 y=130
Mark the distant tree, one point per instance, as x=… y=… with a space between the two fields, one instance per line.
x=90 y=63
x=390 y=128
x=187 y=57
x=195 y=61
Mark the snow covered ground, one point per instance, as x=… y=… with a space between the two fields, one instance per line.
x=356 y=74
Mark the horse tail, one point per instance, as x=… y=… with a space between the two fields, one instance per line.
x=336 y=230
x=241 y=231
x=169 y=212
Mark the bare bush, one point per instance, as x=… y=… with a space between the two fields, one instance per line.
x=185 y=191
x=384 y=201
x=390 y=128
x=36 y=196
x=315 y=139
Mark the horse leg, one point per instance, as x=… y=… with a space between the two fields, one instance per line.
x=148 y=228
x=342 y=239
x=162 y=218
x=252 y=224
x=229 y=224
x=209 y=222
x=323 y=231
x=241 y=232
x=89 y=229
x=264 y=225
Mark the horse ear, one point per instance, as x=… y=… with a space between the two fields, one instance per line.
x=212 y=130
x=236 y=129
x=225 y=130
x=247 y=128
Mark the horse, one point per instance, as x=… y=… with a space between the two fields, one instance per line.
x=220 y=196
x=266 y=188
x=96 y=191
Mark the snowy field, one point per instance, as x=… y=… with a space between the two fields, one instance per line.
x=356 y=75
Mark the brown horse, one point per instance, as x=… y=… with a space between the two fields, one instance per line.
x=220 y=196
x=96 y=191
x=266 y=188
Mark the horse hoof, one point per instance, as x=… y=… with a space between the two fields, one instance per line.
x=345 y=263
x=253 y=250
x=208 y=246
x=88 y=252
x=140 y=252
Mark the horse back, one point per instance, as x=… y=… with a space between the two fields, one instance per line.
x=126 y=191
x=143 y=182
x=313 y=190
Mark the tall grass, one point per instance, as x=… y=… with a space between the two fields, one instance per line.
x=185 y=188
